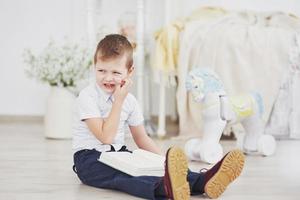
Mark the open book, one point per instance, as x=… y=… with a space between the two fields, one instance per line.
x=137 y=163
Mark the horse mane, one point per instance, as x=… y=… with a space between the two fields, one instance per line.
x=202 y=81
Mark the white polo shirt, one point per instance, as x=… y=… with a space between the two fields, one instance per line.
x=93 y=102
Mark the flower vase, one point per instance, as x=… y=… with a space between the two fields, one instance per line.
x=59 y=114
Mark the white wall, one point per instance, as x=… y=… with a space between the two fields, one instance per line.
x=30 y=24
x=256 y=5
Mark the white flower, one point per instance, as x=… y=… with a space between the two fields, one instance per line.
x=62 y=66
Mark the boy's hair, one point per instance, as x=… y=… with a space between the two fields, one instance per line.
x=114 y=46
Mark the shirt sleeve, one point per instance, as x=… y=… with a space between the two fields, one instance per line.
x=87 y=107
x=135 y=117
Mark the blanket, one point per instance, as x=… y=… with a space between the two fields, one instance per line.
x=249 y=51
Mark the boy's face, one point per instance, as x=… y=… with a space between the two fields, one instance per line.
x=110 y=73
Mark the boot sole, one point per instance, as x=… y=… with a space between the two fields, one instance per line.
x=229 y=170
x=177 y=165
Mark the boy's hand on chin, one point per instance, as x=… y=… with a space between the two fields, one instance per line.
x=122 y=89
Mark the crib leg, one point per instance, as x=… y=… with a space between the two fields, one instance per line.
x=161 y=131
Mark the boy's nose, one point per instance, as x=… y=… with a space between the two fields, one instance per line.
x=108 y=78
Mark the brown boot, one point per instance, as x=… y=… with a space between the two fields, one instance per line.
x=175 y=179
x=223 y=173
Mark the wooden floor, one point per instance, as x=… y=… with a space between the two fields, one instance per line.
x=35 y=168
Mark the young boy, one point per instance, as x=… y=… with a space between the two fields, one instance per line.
x=105 y=108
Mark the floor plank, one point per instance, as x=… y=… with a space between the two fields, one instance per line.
x=35 y=168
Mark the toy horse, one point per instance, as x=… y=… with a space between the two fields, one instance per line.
x=220 y=111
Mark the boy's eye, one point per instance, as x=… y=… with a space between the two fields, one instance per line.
x=100 y=70
x=118 y=73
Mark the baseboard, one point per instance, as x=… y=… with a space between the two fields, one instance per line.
x=21 y=119
x=169 y=119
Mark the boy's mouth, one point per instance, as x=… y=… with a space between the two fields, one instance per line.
x=109 y=85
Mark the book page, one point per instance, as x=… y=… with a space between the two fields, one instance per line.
x=149 y=156
x=140 y=162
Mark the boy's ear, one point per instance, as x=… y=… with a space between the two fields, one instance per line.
x=130 y=71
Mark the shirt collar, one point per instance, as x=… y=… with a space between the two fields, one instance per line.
x=107 y=96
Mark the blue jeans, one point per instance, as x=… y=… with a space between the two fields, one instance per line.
x=94 y=173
